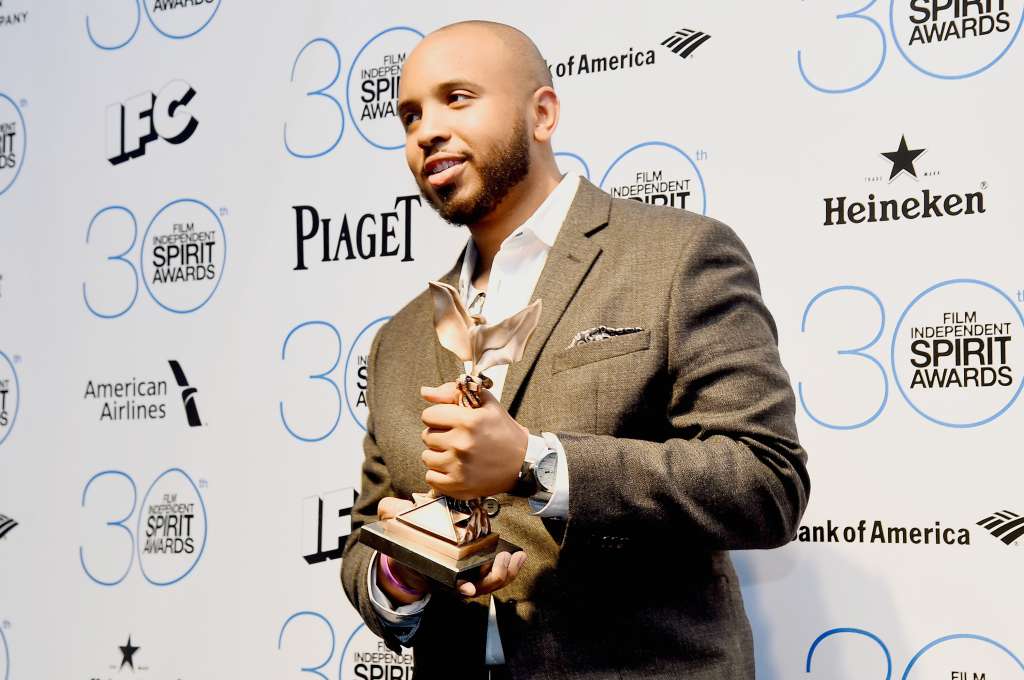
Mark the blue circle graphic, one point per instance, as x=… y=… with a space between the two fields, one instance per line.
x=895 y=335
x=17 y=403
x=7 y=656
x=673 y=147
x=24 y=143
x=348 y=82
x=182 y=36
x=578 y=158
x=949 y=76
x=344 y=650
x=223 y=261
x=961 y=636
x=138 y=528
x=348 y=358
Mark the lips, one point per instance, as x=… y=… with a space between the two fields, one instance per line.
x=442 y=170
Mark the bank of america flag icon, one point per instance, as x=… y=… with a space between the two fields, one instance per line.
x=684 y=41
x=6 y=524
x=1005 y=525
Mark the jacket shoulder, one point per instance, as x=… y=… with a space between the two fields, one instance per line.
x=658 y=228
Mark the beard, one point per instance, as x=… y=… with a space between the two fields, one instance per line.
x=505 y=166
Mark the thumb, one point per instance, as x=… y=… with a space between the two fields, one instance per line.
x=447 y=393
x=390 y=507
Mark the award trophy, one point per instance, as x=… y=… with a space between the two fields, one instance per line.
x=445 y=539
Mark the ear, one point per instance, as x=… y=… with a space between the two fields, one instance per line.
x=451 y=321
x=546 y=109
x=504 y=343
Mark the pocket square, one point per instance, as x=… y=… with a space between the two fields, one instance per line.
x=599 y=333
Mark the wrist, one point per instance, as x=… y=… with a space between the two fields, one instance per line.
x=399 y=583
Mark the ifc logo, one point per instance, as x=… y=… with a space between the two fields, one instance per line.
x=10 y=396
x=12 y=142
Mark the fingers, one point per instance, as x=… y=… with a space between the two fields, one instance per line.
x=442 y=440
x=447 y=393
x=446 y=416
x=503 y=570
x=391 y=507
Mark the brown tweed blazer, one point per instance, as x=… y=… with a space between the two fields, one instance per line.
x=680 y=443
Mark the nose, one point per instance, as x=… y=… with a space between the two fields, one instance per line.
x=431 y=131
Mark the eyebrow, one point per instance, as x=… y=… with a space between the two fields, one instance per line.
x=446 y=86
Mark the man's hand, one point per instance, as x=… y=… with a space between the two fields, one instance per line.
x=471 y=452
x=496 y=575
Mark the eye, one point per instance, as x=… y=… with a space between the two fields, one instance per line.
x=409 y=118
x=456 y=97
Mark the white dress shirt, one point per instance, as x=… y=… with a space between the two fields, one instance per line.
x=514 y=274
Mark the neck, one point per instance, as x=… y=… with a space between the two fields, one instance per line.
x=521 y=202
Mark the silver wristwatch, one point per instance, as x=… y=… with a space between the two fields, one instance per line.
x=537 y=478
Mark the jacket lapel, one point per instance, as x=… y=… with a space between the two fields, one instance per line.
x=449 y=366
x=567 y=266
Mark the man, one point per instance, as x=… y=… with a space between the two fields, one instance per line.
x=651 y=396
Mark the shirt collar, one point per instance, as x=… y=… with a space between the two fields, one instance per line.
x=543 y=225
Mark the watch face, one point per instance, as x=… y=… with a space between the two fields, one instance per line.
x=547 y=467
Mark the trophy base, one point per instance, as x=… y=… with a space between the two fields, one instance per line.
x=433 y=557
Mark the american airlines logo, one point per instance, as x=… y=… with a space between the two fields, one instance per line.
x=1005 y=525
x=6 y=524
x=188 y=394
x=684 y=41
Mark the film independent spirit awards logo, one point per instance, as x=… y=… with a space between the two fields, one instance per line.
x=9 y=396
x=902 y=187
x=143 y=399
x=12 y=140
x=954 y=38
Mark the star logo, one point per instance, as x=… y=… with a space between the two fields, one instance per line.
x=903 y=159
x=127 y=652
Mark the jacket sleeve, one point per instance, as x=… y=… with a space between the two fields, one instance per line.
x=376 y=484
x=731 y=473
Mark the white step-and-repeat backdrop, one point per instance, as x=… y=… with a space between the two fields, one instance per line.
x=205 y=216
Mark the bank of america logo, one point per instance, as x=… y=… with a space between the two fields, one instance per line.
x=188 y=394
x=1005 y=525
x=684 y=41
x=6 y=524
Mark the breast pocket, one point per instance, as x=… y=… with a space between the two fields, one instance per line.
x=597 y=350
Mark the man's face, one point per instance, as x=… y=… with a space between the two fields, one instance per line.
x=464 y=116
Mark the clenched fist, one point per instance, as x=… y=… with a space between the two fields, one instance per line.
x=471 y=452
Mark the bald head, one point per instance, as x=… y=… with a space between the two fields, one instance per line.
x=524 y=59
